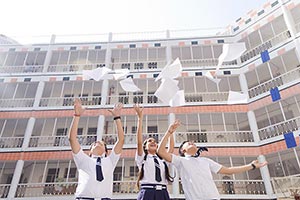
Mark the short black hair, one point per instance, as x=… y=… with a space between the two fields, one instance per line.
x=180 y=148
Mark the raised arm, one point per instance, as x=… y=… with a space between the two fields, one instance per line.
x=139 y=135
x=116 y=113
x=171 y=144
x=78 y=110
x=166 y=155
x=234 y=170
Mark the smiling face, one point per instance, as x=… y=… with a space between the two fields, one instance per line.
x=98 y=148
x=189 y=147
x=150 y=145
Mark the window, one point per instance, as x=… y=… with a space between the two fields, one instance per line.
x=27 y=79
x=157 y=45
x=155 y=75
x=132 y=46
x=133 y=171
x=221 y=41
x=247 y=21
x=97 y=47
x=236 y=28
x=12 y=49
x=194 y=42
x=66 y=78
x=198 y=73
x=227 y=72
x=73 y=48
x=36 y=49
x=72 y=172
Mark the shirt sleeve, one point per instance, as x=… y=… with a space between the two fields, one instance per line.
x=214 y=166
x=114 y=158
x=176 y=161
x=81 y=159
x=139 y=159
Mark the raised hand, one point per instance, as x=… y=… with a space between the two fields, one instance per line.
x=138 y=110
x=78 y=109
x=172 y=128
x=258 y=164
x=116 y=111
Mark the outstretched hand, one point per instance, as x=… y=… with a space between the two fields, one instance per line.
x=172 y=128
x=257 y=164
x=78 y=109
x=138 y=110
x=116 y=111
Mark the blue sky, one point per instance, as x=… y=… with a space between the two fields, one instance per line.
x=46 y=17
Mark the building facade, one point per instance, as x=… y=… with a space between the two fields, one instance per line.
x=40 y=81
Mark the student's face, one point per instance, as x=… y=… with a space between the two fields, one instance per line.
x=189 y=148
x=97 y=148
x=151 y=145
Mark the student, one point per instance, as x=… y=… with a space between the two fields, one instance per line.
x=153 y=171
x=95 y=179
x=196 y=172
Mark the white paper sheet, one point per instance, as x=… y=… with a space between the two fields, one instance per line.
x=236 y=98
x=171 y=71
x=120 y=74
x=231 y=52
x=178 y=99
x=128 y=85
x=96 y=74
x=167 y=90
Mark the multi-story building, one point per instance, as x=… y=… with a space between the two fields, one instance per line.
x=40 y=81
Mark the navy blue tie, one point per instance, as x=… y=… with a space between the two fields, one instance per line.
x=199 y=151
x=157 y=170
x=99 y=174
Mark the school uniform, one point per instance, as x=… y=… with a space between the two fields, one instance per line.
x=89 y=188
x=150 y=187
x=196 y=177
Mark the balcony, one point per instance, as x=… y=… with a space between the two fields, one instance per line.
x=73 y=67
x=139 y=65
x=69 y=101
x=21 y=69
x=288 y=186
x=17 y=103
x=11 y=142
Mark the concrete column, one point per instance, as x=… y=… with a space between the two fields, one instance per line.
x=290 y=23
x=243 y=83
x=39 y=93
x=49 y=54
x=253 y=125
x=104 y=91
x=28 y=132
x=266 y=178
x=15 y=179
x=168 y=49
x=100 y=127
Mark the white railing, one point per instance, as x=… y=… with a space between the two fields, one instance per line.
x=139 y=65
x=205 y=62
x=276 y=82
x=73 y=67
x=206 y=97
x=68 y=101
x=4 y=189
x=266 y=45
x=279 y=128
x=11 y=142
x=59 y=141
x=215 y=136
x=288 y=186
x=110 y=139
x=16 y=103
x=130 y=98
x=22 y=69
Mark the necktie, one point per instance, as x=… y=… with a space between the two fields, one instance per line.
x=99 y=174
x=197 y=154
x=157 y=170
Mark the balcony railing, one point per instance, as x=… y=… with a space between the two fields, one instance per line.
x=276 y=82
x=265 y=46
x=279 y=128
x=16 y=103
x=11 y=142
x=288 y=186
x=21 y=69
x=73 y=67
x=4 y=189
x=205 y=62
x=69 y=101
x=206 y=97
x=215 y=136
x=59 y=141
x=139 y=65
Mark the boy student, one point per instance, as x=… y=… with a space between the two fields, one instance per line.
x=96 y=169
x=196 y=172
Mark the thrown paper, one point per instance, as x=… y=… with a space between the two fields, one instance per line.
x=170 y=71
x=178 y=99
x=167 y=90
x=96 y=74
x=128 y=85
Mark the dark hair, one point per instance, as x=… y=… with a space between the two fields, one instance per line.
x=180 y=148
x=141 y=172
x=105 y=147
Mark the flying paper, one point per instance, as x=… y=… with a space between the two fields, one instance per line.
x=120 y=74
x=96 y=74
x=237 y=97
x=167 y=90
x=128 y=85
x=170 y=71
x=178 y=99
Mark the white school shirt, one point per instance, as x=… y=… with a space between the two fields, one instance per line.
x=88 y=186
x=196 y=177
x=149 y=169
